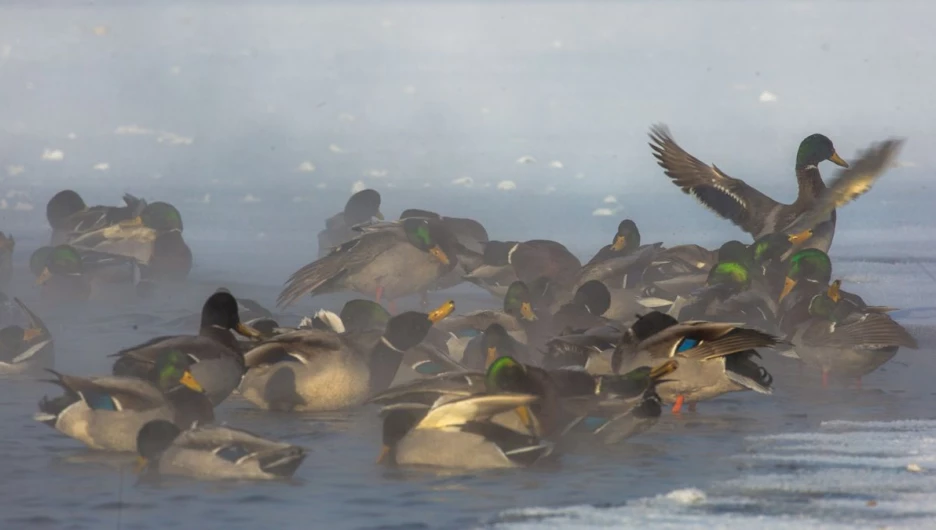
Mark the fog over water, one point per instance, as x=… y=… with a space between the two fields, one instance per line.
x=258 y=119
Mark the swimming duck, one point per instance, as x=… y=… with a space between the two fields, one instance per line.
x=361 y=208
x=214 y=452
x=216 y=357
x=315 y=370
x=714 y=358
x=26 y=349
x=843 y=340
x=396 y=260
x=61 y=274
x=492 y=343
x=69 y=216
x=586 y=308
x=153 y=238
x=735 y=200
x=459 y=434
x=7 y=243
x=107 y=412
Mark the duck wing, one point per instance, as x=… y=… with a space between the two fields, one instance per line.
x=728 y=197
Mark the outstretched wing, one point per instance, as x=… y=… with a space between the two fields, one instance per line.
x=730 y=198
x=849 y=184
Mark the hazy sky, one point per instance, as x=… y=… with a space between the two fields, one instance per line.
x=403 y=93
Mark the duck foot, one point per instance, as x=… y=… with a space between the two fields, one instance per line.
x=379 y=294
x=677 y=407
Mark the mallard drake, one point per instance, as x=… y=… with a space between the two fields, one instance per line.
x=491 y=344
x=733 y=292
x=714 y=358
x=459 y=434
x=586 y=308
x=361 y=207
x=396 y=260
x=7 y=243
x=69 y=216
x=217 y=361
x=154 y=238
x=107 y=412
x=758 y=214
x=837 y=336
x=315 y=370
x=470 y=236
x=26 y=349
x=214 y=452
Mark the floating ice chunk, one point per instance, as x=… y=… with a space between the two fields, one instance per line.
x=506 y=185
x=610 y=199
x=306 y=167
x=526 y=159
x=53 y=154
x=250 y=199
x=555 y=164
x=358 y=186
x=101 y=166
x=603 y=212
x=767 y=97
x=464 y=181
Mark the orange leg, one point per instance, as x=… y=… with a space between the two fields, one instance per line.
x=379 y=294
x=678 y=405
x=391 y=306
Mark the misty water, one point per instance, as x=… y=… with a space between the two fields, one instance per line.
x=257 y=119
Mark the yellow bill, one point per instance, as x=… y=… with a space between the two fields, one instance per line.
x=44 y=276
x=526 y=311
x=141 y=464
x=491 y=356
x=664 y=369
x=837 y=160
x=189 y=381
x=442 y=311
x=788 y=285
x=619 y=243
x=439 y=254
x=247 y=331
x=796 y=239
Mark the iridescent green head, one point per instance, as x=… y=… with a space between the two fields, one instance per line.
x=504 y=375
x=425 y=235
x=770 y=247
x=172 y=370
x=38 y=260
x=627 y=238
x=810 y=264
x=518 y=302
x=64 y=259
x=735 y=251
x=815 y=149
x=363 y=315
x=729 y=273
x=161 y=216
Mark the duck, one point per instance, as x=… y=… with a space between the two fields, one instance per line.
x=66 y=272
x=26 y=349
x=396 y=260
x=69 y=216
x=153 y=238
x=361 y=208
x=215 y=354
x=843 y=340
x=106 y=413
x=459 y=434
x=735 y=200
x=714 y=358
x=517 y=316
x=492 y=343
x=470 y=237
x=318 y=370
x=591 y=300
x=7 y=244
x=214 y=452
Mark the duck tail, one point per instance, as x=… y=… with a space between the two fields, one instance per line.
x=282 y=462
x=50 y=409
x=743 y=370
